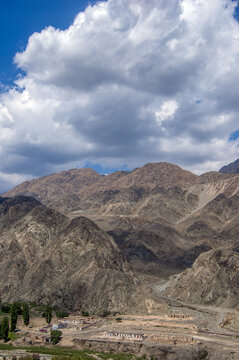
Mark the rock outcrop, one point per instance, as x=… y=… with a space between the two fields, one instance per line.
x=213 y=279
x=46 y=257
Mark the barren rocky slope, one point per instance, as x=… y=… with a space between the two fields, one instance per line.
x=232 y=168
x=59 y=191
x=213 y=279
x=44 y=256
x=117 y=193
x=161 y=216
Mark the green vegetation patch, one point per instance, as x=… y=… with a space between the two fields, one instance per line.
x=13 y=336
x=106 y=356
x=78 y=354
x=64 y=353
x=6 y=346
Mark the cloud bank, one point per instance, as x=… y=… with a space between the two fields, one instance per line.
x=130 y=81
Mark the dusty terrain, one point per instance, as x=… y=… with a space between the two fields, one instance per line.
x=181 y=334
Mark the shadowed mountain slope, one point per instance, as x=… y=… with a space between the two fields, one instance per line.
x=161 y=216
x=46 y=257
x=232 y=168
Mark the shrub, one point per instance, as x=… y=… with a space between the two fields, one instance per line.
x=85 y=313
x=105 y=313
x=61 y=314
x=5 y=308
x=203 y=354
x=55 y=336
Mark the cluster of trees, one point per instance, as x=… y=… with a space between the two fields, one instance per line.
x=61 y=314
x=9 y=323
x=47 y=313
x=48 y=310
x=17 y=309
x=14 y=310
x=22 y=308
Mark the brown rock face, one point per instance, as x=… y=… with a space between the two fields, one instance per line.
x=161 y=216
x=59 y=191
x=213 y=279
x=85 y=189
x=46 y=257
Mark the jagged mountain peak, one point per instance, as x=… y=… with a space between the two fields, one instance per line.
x=232 y=168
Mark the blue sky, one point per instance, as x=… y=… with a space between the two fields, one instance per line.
x=20 y=18
x=236 y=13
x=122 y=83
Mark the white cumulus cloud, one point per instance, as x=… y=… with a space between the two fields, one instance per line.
x=129 y=81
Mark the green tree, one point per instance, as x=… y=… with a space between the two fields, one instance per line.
x=48 y=314
x=14 y=315
x=19 y=307
x=61 y=314
x=26 y=314
x=85 y=313
x=55 y=336
x=105 y=313
x=5 y=308
x=5 y=328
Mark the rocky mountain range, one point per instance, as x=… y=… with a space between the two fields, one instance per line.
x=160 y=216
x=47 y=257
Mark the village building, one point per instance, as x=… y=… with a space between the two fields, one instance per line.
x=60 y=325
x=124 y=336
x=73 y=325
x=179 y=316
